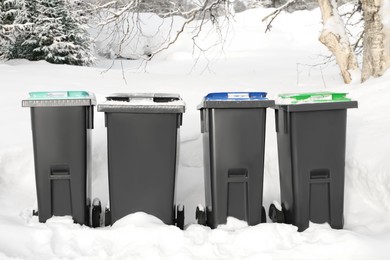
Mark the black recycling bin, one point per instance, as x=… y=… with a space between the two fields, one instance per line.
x=233 y=128
x=61 y=124
x=311 y=136
x=142 y=139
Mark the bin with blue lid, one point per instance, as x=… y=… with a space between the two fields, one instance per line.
x=233 y=128
x=311 y=137
x=142 y=138
x=61 y=125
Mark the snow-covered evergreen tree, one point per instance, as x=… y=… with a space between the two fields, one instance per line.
x=56 y=36
x=51 y=30
x=10 y=10
x=21 y=29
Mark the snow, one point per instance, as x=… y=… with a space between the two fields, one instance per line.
x=277 y=62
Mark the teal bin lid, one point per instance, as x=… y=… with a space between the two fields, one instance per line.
x=59 y=94
x=59 y=99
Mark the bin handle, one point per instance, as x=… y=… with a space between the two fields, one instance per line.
x=90 y=117
x=237 y=175
x=319 y=174
x=286 y=120
x=203 y=121
x=59 y=172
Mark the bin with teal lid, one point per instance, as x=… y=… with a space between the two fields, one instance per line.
x=233 y=129
x=61 y=125
x=311 y=137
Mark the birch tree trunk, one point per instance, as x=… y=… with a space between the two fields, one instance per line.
x=376 y=45
x=335 y=38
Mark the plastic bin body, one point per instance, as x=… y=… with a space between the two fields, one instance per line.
x=233 y=145
x=142 y=156
x=61 y=133
x=311 y=149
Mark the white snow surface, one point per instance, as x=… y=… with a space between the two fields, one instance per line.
x=277 y=62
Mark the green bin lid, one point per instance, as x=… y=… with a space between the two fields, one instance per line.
x=313 y=97
x=59 y=98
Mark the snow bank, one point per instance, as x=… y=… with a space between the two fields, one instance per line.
x=141 y=236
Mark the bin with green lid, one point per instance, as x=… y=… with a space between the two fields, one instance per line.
x=61 y=125
x=311 y=137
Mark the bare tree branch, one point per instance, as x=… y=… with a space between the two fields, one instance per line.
x=275 y=13
x=124 y=26
x=353 y=19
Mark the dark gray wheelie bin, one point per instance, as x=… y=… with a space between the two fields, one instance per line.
x=233 y=127
x=61 y=124
x=142 y=139
x=311 y=136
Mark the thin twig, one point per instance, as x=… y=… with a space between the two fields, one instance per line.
x=275 y=13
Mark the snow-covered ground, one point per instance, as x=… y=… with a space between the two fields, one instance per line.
x=251 y=61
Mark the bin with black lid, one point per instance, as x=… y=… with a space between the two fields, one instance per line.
x=233 y=128
x=142 y=139
x=311 y=137
x=61 y=125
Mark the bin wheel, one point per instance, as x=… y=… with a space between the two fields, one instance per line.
x=263 y=215
x=276 y=215
x=96 y=212
x=107 y=217
x=180 y=216
x=200 y=215
x=35 y=212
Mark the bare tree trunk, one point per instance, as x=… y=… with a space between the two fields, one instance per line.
x=376 y=46
x=335 y=38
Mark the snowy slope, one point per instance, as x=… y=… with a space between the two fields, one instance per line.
x=250 y=61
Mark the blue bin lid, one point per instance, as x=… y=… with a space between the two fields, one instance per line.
x=236 y=100
x=234 y=96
